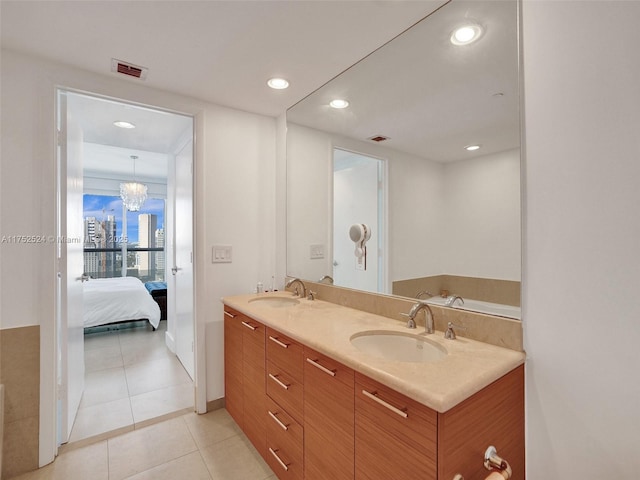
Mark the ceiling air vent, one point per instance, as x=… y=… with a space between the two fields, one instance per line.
x=378 y=138
x=136 y=71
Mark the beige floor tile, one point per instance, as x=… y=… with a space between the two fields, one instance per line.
x=160 y=402
x=101 y=340
x=211 y=427
x=103 y=386
x=141 y=334
x=154 y=375
x=189 y=467
x=101 y=418
x=140 y=352
x=140 y=450
x=102 y=358
x=89 y=462
x=235 y=459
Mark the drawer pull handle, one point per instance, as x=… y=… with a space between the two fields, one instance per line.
x=324 y=369
x=278 y=342
x=248 y=325
x=374 y=396
x=275 y=379
x=282 y=425
x=275 y=455
x=229 y=314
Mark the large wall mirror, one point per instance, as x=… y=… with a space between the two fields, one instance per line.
x=390 y=193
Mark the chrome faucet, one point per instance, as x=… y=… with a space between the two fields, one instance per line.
x=296 y=292
x=328 y=278
x=428 y=325
x=424 y=292
x=451 y=300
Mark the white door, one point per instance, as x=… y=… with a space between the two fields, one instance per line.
x=183 y=257
x=358 y=198
x=71 y=268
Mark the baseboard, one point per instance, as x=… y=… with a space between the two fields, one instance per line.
x=215 y=404
x=170 y=341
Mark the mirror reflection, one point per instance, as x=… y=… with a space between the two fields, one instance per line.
x=424 y=159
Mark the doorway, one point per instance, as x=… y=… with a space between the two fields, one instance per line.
x=123 y=371
x=359 y=221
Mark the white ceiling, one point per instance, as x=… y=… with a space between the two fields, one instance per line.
x=219 y=51
x=224 y=51
x=430 y=97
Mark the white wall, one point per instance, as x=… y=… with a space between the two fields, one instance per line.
x=416 y=204
x=235 y=182
x=482 y=220
x=582 y=249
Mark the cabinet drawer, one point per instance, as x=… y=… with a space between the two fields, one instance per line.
x=252 y=332
x=387 y=421
x=285 y=438
x=328 y=418
x=285 y=390
x=285 y=353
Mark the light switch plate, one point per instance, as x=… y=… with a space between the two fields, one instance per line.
x=221 y=254
x=316 y=251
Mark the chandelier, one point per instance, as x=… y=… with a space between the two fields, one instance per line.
x=133 y=194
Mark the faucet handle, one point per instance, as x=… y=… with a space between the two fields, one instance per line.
x=311 y=295
x=411 y=323
x=450 y=334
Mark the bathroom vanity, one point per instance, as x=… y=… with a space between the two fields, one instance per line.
x=316 y=405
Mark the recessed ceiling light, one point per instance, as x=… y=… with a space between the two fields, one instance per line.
x=466 y=34
x=472 y=148
x=123 y=124
x=338 y=103
x=278 y=83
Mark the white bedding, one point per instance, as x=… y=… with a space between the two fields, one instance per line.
x=109 y=300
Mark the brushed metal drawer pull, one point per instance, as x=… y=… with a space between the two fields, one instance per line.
x=275 y=379
x=324 y=369
x=374 y=396
x=229 y=314
x=278 y=342
x=282 y=425
x=282 y=464
x=248 y=325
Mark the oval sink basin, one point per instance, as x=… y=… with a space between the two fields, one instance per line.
x=399 y=347
x=275 y=301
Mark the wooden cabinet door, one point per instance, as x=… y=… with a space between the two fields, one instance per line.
x=395 y=436
x=233 y=390
x=328 y=418
x=253 y=374
x=493 y=416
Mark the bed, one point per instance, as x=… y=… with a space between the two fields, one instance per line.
x=120 y=299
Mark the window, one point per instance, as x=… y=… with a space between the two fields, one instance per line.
x=109 y=237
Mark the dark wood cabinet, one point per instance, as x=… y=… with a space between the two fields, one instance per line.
x=312 y=417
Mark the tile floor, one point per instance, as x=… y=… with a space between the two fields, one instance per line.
x=131 y=378
x=188 y=447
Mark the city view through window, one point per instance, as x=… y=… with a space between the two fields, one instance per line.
x=108 y=239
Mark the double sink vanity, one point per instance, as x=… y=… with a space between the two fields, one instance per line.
x=326 y=391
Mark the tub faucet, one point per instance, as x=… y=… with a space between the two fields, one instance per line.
x=428 y=325
x=296 y=291
x=451 y=301
x=424 y=292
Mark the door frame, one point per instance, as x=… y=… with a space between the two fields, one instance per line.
x=48 y=445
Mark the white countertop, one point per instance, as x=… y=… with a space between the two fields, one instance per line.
x=326 y=327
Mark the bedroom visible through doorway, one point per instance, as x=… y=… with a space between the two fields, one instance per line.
x=125 y=340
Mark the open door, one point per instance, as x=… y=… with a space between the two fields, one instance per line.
x=70 y=270
x=183 y=257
